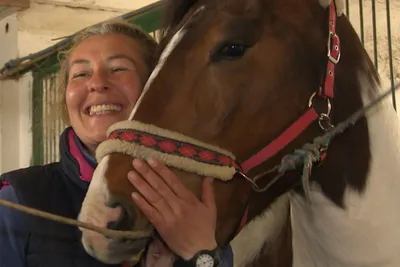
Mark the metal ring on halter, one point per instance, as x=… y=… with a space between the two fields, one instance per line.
x=259 y=176
x=328 y=103
x=324 y=122
x=247 y=178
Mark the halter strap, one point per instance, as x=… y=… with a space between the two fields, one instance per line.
x=333 y=54
x=326 y=91
x=311 y=115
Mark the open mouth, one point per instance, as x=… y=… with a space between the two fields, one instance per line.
x=102 y=109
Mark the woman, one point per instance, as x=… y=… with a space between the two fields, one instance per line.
x=101 y=79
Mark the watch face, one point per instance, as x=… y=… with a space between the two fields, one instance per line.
x=205 y=260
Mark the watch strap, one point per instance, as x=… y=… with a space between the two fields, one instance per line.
x=215 y=254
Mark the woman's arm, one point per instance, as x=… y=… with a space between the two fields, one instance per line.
x=227 y=256
x=13 y=234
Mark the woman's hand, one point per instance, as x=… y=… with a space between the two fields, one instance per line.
x=186 y=224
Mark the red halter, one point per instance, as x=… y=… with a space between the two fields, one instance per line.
x=326 y=91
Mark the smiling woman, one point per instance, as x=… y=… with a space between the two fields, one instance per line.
x=115 y=78
x=113 y=66
x=102 y=76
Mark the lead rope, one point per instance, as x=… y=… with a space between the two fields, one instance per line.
x=310 y=153
x=104 y=231
x=306 y=157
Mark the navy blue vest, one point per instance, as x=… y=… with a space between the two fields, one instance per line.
x=54 y=188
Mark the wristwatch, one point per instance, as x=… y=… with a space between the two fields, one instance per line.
x=203 y=258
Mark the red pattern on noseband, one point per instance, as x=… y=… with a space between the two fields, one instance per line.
x=173 y=147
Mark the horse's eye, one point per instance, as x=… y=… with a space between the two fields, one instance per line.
x=229 y=51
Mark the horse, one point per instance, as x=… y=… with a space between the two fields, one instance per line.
x=240 y=85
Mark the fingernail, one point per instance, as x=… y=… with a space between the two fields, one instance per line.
x=135 y=195
x=132 y=176
x=152 y=162
x=137 y=163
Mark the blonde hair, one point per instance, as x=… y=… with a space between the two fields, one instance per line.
x=146 y=42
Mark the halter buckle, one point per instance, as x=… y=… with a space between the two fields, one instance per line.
x=334 y=56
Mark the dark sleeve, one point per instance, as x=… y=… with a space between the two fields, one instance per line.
x=226 y=256
x=13 y=233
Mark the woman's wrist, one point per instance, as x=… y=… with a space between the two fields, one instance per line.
x=191 y=252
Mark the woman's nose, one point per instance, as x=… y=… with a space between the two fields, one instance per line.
x=99 y=82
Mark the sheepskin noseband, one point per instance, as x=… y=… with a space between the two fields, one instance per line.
x=141 y=140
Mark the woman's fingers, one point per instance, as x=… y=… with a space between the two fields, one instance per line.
x=154 y=180
x=149 y=194
x=179 y=211
x=171 y=179
x=208 y=197
x=148 y=210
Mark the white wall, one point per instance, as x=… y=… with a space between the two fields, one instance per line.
x=9 y=99
x=46 y=20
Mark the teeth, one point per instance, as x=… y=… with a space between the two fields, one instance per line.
x=103 y=109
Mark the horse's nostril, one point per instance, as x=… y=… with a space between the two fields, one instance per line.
x=113 y=204
x=124 y=222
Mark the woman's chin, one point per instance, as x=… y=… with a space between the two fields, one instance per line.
x=98 y=133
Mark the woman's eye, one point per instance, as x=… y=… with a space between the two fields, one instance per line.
x=80 y=74
x=117 y=69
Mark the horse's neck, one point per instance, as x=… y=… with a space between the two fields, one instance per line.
x=366 y=232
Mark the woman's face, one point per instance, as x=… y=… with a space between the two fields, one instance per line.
x=104 y=83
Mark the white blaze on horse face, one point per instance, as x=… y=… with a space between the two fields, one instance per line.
x=366 y=233
x=163 y=58
x=167 y=51
x=95 y=211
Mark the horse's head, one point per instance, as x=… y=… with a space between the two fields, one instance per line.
x=232 y=76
